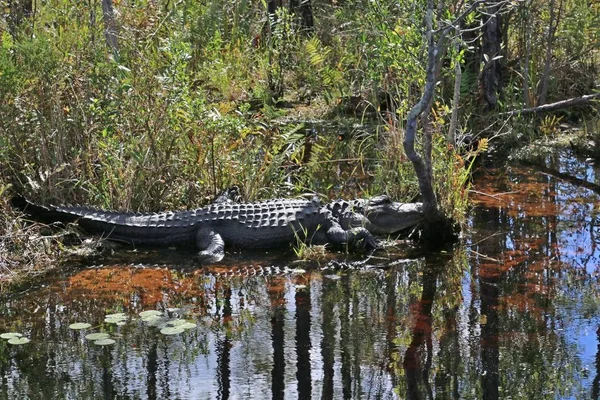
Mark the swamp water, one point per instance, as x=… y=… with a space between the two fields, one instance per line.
x=514 y=313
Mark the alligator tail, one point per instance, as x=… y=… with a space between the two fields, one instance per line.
x=45 y=214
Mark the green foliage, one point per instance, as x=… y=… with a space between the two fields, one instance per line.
x=185 y=107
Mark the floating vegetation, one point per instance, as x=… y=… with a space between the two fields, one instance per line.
x=154 y=320
x=97 y=336
x=150 y=313
x=80 y=325
x=181 y=323
x=176 y=326
x=100 y=338
x=104 y=342
x=116 y=316
x=172 y=330
x=153 y=317
x=176 y=322
x=19 y=340
x=15 y=338
x=10 y=335
x=117 y=319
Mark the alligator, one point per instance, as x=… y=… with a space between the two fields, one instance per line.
x=267 y=224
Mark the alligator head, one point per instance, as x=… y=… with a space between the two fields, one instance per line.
x=385 y=216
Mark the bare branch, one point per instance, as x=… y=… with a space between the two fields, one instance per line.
x=577 y=101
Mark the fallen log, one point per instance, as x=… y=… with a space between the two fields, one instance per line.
x=559 y=105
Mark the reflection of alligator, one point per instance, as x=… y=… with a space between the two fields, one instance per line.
x=268 y=224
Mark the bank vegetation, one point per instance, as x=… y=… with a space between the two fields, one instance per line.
x=151 y=105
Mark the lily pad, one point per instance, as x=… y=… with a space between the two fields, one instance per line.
x=80 y=325
x=172 y=330
x=97 y=336
x=104 y=342
x=153 y=319
x=116 y=316
x=181 y=323
x=149 y=313
x=176 y=322
x=118 y=319
x=10 y=335
x=188 y=325
x=19 y=340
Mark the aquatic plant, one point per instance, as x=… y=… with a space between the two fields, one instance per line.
x=79 y=325
x=15 y=338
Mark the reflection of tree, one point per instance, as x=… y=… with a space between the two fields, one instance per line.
x=276 y=289
x=346 y=340
x=596 y=384
x=417 y=374
x=108 y=388
x=223 y=350
x=490 y=348
x=391 y=318
x=523 y=351
x=449 y=372
x=151 y=370
x=489 y=278
x=328 y=341
x=302 y=299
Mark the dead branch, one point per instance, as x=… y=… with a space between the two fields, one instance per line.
x=559 y=105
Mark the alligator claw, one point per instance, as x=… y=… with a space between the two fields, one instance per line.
x=371 y=243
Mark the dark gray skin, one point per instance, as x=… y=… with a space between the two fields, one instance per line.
x=268 y=224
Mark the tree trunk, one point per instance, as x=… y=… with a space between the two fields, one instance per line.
x=552 y=25
x=19 y=10
x=275 y=73
x=492 y=46
x=527 y=59
x=451 y=135
x=430 y=205
x=302 y=9
x=110 y=26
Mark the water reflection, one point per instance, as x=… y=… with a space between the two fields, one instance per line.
x=512 y=314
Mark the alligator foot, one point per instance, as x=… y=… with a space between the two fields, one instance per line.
x=361 y=237
x=355 y=237
x=211 y=246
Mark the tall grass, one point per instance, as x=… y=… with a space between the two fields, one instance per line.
x=185 y=107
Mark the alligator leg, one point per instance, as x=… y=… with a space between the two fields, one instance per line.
x=211 y=246
x=339 y=236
